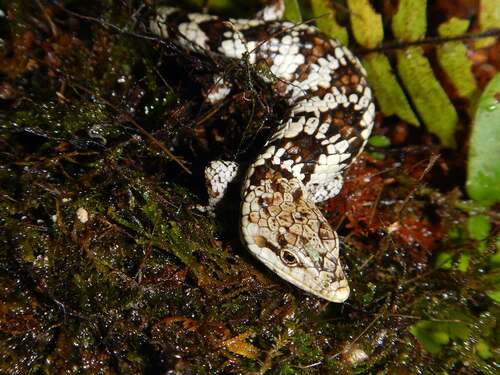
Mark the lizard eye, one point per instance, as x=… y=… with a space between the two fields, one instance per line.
x=289 y=258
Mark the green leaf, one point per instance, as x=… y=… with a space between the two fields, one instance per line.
x=495 y=260
x=494 y=295
x=458 y=330
x=410 y=21
x=429 y=335
x=453 y=27
x=379 y=141
x=455 y=234
x=489 y=18
x=389 y=94
x=327 y=22
x=429 y=98
x=481 y=247
x=463 y=262
x=452 y=57
x=440 y=337
x=483 y=169
x=444 y=261
x=459 y=325
x=479 y=227
x=483 y=349
x=434 y=334
x=492 y=281
x=366 y=23
x=471 y=207
x=292 y=11
x=377 y=155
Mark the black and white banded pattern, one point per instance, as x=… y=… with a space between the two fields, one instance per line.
x=330 y=119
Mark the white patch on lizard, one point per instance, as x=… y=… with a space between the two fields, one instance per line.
x=192 y=32
x=219 y=90
x=218 y=175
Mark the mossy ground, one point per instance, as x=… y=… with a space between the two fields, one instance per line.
x=90 y=117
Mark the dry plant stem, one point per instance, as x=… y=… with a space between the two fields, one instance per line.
x=53 y=27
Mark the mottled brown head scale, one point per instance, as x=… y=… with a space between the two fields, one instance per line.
x=289 y=235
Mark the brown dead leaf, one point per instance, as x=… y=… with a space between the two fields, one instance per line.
x=187 y=323
x=239 y=345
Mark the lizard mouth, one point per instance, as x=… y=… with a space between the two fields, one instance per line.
x=325 y=285
x=334 y=291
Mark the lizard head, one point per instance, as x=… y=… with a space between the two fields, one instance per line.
x=288 y=233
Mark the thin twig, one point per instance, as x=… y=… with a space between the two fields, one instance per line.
x=430 y=164
x=359 y=336
x=130 y=119
x=432 y=40
x=53 y=27
x=108 y=25
x=375 y=205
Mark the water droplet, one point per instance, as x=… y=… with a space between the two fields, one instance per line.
x=97 y=132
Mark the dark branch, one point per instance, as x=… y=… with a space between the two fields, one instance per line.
x=432 y=40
